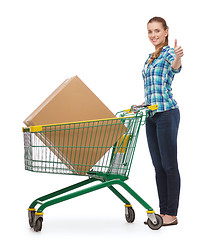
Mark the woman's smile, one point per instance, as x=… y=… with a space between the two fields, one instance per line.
x=154 y=40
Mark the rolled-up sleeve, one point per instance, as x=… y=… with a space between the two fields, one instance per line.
x=169 y=57
x=176 y=70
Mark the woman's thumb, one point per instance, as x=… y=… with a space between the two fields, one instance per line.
x=175 y=43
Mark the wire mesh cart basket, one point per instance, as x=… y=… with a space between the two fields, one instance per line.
x=87 y=148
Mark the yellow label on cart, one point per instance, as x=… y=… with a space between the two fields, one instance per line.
x=35 y=128
x=153 y=107
x=122 y=144
x=128 y=110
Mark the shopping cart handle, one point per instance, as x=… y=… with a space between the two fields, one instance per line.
x=138 y=107
x=153 y=107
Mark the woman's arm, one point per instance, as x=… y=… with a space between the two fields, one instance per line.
x=179 y=53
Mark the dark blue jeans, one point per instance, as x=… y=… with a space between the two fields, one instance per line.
x=161 y=130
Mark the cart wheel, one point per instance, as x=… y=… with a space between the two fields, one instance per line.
x=31 y=216
x=38 y=224
x=129 y=214
x=156 y=226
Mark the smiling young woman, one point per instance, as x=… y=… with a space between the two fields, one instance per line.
x=162 y=125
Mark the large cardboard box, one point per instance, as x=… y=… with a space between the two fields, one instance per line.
x=73 y=101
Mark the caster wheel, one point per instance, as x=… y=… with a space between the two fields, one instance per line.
x=31 y=215
x=38 y=224
x=129 y=214
x=156 y=226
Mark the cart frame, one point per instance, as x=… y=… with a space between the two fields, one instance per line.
x=106 y=180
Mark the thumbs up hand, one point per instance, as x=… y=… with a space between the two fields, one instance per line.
x=178 y=50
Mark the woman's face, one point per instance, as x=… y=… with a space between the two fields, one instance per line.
x=156 y=33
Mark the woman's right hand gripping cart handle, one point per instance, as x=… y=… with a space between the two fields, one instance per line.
x=136 y=108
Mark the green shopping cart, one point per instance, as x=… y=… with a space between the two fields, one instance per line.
x=87 y=148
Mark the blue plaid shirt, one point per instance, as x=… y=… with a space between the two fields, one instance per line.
x=158 y=78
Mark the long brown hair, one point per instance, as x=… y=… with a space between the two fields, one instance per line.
x=156 y=54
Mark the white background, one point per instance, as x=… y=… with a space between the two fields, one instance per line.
x=105 y=43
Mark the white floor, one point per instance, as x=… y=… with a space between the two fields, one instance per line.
x=98 y=215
